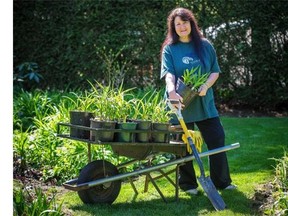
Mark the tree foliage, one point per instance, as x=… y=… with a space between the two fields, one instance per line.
x=75 y=41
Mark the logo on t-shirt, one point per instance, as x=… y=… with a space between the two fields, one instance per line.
x=189 y=60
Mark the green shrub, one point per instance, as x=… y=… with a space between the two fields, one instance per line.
x=34 y=203
x=280 y=206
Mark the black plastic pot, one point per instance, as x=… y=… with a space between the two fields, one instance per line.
x=185 y=92
x=105 y=135
x=160 y=132
x=125 y=136
x=80 y=118
x=143 y=125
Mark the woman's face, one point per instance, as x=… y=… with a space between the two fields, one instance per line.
x=183 y=29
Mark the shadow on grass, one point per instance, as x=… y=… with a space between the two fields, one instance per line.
x=235 y=200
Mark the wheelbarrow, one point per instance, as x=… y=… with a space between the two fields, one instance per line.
x=100 y=180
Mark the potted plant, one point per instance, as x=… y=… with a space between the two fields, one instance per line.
x=141 y=115
x=188 y=85
x=80 y=118
x=105 y=122
x=123 y=112
x=160 y=119
x=105 y=118
x=81 y=114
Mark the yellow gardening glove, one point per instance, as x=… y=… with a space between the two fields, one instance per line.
x=197 y=140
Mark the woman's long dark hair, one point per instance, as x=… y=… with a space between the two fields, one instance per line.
x=195 y=36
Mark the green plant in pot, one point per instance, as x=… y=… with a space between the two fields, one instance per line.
x=142 y=116
x=123 y=113
x=105 y=103
x=188 y=85
x=112 y=109
x=160 y=116
x=81 y=113
x=104 y=121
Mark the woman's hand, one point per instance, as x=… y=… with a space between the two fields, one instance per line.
x=170 y=84
x=210 y=81
x=203 y=90
x=175 y=96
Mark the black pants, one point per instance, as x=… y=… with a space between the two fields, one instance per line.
x=213 y=134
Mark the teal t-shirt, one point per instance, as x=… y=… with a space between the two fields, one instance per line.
x=176 y=58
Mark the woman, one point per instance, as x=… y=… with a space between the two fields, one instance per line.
x=186 y=48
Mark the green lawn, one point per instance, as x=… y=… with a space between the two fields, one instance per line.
x=250 y=165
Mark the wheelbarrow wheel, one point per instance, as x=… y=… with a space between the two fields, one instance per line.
x=104 y=193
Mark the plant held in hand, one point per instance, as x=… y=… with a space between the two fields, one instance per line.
x=194 y=78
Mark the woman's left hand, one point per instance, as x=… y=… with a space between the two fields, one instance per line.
x=203 y=90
